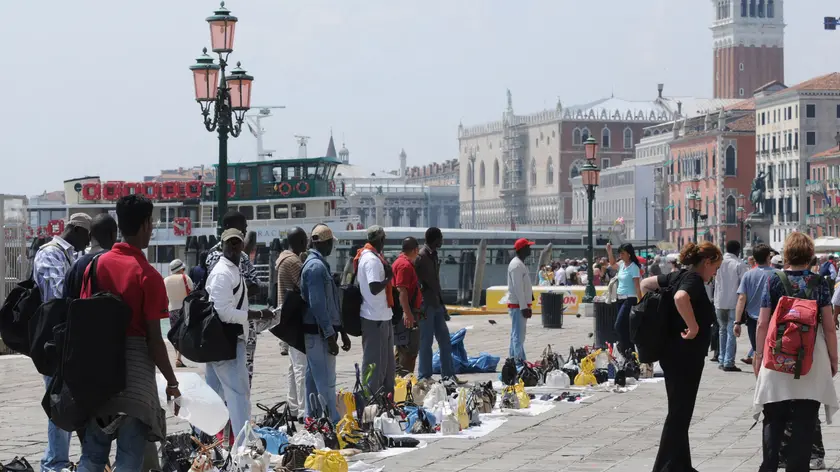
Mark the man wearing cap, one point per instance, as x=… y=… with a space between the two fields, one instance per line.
x=51 y=265
x=321 y=323
x=103 y=235
x=178 y=286
x=520 y=298
x=374 y=276
x=228 y=291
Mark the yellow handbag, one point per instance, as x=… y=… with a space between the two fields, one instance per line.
x=521 y=395
x=400 y=390
x=463 y=416
x=348 y=431
x=586 y=376
x=326 y=461
x=345 y=403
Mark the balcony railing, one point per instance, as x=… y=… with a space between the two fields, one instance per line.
x=790 y=182
x=789 y=218
x=815 y=186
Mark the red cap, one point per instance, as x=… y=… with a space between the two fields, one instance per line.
x=522 y=242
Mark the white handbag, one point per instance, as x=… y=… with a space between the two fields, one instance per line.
x=557 y=379
x=449 y=425
x=435 y=395
x=387 y=425
x=612 y=290
x=305 y=438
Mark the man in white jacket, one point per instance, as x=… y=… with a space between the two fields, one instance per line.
x=229 y=293
x=520 y=299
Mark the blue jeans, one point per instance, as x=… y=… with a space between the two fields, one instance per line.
x=229 y=379
x=433 y=327
x=728 y=341
x=622 y=323
x=57 y=455
x=131 y=445
x=320 y=376
x=518 y=325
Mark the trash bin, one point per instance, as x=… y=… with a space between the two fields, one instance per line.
x=552 y=309
x=605 y=316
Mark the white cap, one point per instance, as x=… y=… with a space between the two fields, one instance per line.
x=777 y=260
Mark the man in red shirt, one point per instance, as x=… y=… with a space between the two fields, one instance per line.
x=406 y=334
x=134 y=415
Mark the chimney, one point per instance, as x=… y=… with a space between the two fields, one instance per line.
x=660 y=87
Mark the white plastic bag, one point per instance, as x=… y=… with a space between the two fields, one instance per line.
x=435 y=395
x=558 y=379
x=602 y=360
x=387 y=425
x=305 y=438
x=248 y=452
x=200 y=405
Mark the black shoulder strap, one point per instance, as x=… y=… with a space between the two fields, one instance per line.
x=90 y=277
x=241 y=295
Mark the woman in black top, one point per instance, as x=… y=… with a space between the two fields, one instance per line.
x=686 y=343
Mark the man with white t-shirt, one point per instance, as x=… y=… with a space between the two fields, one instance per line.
x=374 y=276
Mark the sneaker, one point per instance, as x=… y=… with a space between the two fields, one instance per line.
x=747 y=360
x=720 y=366
x=817 y=463
x=732 y=368
x=284 y=349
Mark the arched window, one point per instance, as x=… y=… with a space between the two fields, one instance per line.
x=533 y=172
x=574 y=170
x=752 y=8
x=470 y=175
x=576 y=137
x=605 y=138
x=481 y=175
x=496 y=172
x=761 y=8
x=585 y=134
x=730 y=209
x=628 y=138
x=771 y=9
x=744 y=8
x=549 y=174
x=729 y=170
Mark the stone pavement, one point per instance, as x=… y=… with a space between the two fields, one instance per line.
x=615 y=432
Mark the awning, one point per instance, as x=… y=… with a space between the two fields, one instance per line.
x=666 y=246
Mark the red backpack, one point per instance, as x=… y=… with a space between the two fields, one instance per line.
x=792 y=335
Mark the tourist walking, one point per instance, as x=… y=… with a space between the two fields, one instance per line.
x=406 y=334
x=374 y=276
x=629 y=292
x=520 y=299
x=103 y=235
x=727 y=281
x=655 y=267
x=783 y=398
x=52 y=262
x=433 y=321
x=289 y=266
x=178 y=286
x=133 y=417
x=236 y=220
x=749 y=296
x=228 y=291
x=321 y=323
x=686 y=343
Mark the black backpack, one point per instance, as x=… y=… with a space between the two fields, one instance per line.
x=509 y=373
x=43 y=349
x=200 y=335
x=649 y=321
x=351 y=307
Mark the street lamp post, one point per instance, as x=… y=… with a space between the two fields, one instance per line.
x=472 y=183
x=223 y=99
x=741 y=218
x=694 y=204
x=591 y=176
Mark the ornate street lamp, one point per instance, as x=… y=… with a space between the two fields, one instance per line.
x=741 y=218
x=591 y=176
x=695 y=203
x=223 y=99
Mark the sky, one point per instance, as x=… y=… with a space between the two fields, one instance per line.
x=103 y=88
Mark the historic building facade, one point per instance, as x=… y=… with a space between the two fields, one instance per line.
x=748 y=46
x=716 y=155
x=823 y=187
x=446 y=173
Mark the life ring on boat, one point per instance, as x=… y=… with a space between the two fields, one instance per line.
x=151 y=190
x=111 y=191
x=30 y=232
x=332 y=186
x=231 y=188
x=91 y=191
x=192 y=189
x=302 y=187
x=182 y=226
x=132 y=188
x=55 y=227
x=170 y=190
x=284 y=189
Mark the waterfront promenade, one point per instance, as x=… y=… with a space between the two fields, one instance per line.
x=610 y=431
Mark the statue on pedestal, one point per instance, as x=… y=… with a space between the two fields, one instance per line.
x=757 y=192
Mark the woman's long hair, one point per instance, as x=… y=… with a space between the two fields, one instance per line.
x=628 y=248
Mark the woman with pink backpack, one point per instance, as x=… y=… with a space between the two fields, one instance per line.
x=795 y=367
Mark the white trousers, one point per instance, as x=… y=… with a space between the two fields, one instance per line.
x=297 y=379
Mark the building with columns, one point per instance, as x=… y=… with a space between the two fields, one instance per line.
x=823 y=187
x=748 y=46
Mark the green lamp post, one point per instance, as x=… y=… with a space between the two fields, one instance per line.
x=591 y=176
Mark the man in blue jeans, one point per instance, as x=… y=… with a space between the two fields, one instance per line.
x=749 y=295
x=433 y=319
x=520 y=298
x=321 y=324
x=727 y=280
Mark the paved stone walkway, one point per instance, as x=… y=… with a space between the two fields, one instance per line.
x=615 y=432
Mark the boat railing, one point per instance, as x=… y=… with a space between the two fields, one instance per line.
x=342 y=220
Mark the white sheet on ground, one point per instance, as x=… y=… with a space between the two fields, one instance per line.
x=200 y=405
x=390 y=452
x=488 y=425
x=362 y=467
x=536 y=408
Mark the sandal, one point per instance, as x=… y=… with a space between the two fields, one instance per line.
x=180 y=364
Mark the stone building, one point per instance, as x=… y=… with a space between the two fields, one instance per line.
x=823 y=187
x=446 y=173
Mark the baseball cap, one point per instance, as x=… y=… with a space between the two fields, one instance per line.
x=231 y=233
x=777 y=260
x=321 y=233
x=522 y=242
x=375 y=232
x=176 y=265
x=82 y=220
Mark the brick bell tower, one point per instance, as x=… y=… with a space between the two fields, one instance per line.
x=749 y=46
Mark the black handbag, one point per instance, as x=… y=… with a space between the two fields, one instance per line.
x=176 y=453
x=529 y=376
x=200 y=335
x=18 y=464
x=509 y=374
x=18 y=308
x=290 y=327
x=295 y=456
x=42 y=348
x=351 y=307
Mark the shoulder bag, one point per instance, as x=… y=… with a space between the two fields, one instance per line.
x=290 y=328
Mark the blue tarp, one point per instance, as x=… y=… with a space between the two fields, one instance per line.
x=462 y=363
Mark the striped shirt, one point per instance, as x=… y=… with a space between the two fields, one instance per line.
x=288 y=268
x=52 y=261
